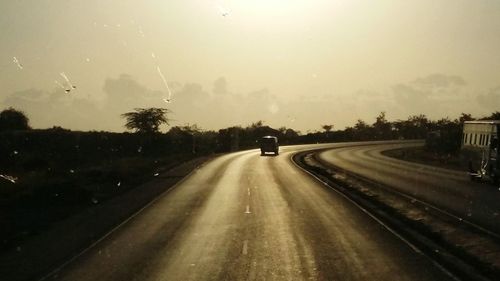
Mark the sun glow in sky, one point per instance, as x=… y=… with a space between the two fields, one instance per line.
x=290 y=63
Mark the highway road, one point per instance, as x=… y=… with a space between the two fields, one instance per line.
x=243 y=216
x=447 y=189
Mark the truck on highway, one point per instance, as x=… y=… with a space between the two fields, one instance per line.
x=480 y=148
x=269 y=144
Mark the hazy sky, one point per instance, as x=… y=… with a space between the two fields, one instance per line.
x=290 y=63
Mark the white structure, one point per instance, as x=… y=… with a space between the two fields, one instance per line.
x=480 y=149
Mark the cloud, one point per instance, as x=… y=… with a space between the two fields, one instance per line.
x=193 y=104
x=435 y=94
x=190 y=104
x=124 y=94
x=191 y=94
x=220 y=86
x=491 y=99
x=409 y=96
x=439 y=81
x=56 y=108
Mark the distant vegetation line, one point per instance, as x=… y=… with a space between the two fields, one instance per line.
x=16 y=133
x=47 y=175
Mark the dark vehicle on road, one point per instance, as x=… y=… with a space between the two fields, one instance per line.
x=480 y=149
x=269 y=144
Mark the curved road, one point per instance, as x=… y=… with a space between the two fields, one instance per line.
x=448 y=189
x=246 y=217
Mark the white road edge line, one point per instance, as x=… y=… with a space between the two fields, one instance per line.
x=245 y=247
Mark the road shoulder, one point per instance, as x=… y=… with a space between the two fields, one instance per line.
x=67 y=238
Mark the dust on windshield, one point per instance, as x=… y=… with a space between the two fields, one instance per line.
x=101 y=98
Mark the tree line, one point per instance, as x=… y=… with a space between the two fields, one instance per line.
x=446 y=132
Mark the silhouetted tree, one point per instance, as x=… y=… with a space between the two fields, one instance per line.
x=228 y=139
x=257 y=124
x=282 y=130
x=290 y=134
x=419 y=125
x=12 y=119
x=494 y=116
x=382 y=127
x=361 y=131
x=327 y=128
x=445 y=136
x=185 y=136
x=465 y=117
x=146 y=120
x=361 y=125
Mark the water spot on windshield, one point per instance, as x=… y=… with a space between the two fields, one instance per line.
x=70 y=85
x=169 y=98
x=224 y=11
x=141 y=32
x=17 y=62
x=12 y=179
x=274 y=108
x=59 y=84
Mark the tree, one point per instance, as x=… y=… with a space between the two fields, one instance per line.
x=12 y=119
x=290 y=133
x=494 y=116
x=327 y=128
x=419 y=125
x=185 y=136
x=362 y=131
x=146 y=120
x=382 y=127
x=257 y=124
x=361 y=125
x=465 y=117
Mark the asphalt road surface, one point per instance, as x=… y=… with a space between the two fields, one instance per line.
x=448 y=189
x=243 y=216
